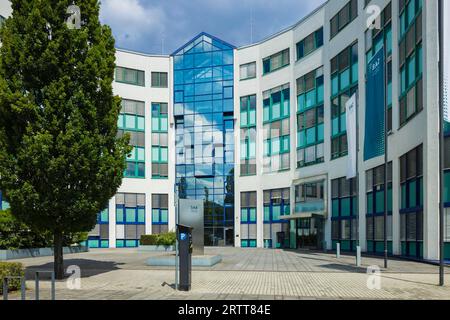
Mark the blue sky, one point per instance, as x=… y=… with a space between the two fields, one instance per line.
x=162 y=26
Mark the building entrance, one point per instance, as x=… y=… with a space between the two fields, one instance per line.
x=310 y=233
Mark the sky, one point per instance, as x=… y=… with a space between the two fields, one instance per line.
x=162 y=26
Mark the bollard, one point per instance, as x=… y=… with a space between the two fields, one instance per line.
x=53 y=289
x=6 y=287
x=358 y=256
x=338 y=250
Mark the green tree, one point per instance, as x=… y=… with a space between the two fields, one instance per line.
x=60 y=158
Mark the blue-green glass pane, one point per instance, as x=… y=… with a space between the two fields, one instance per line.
x=164 y=216
x=412 y=194
x=276 y=212
x=244 y=215
x=141 y=215
x=140 y=123
x=370 y=203
x=345 y=207
x=120 y=243
x=130 y=215
x=344 y=79
x=252 y=213
x=335 y=208
x=155 y=215
x=119 y=215
x=379 y=201
x=311 y=136
x=266 y=214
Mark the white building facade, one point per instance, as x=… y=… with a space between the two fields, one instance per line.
x=276 y=177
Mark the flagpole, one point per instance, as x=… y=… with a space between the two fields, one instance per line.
x=441 y=143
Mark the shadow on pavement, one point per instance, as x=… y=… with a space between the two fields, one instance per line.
x=88 y=268
x=346 y=268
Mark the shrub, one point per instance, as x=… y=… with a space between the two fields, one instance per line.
x=163 y=239
x=9 y=269
x=149 y=240
x=16 y=235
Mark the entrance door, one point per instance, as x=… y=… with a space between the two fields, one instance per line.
x=229 y=237
x=310 y=233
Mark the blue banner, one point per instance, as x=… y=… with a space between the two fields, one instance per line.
x=375 y=109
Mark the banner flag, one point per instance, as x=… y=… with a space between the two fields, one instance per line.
x=375 y=108
x=350 y=109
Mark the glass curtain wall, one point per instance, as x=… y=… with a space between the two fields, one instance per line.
x=204 y=126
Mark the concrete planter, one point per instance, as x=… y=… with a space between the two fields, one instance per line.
x=37 y=252
x=156 y=248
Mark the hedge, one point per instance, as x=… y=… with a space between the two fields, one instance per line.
x=11 y=269
x=163 y=239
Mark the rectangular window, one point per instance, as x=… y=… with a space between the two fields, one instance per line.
x=248 y=71
x=411 y=60
x=130 y=76
x=311 y=43
x=132 y=121
x=130 y=218
x=160 y=213
x=346 y=15
x=276 y=208
x=160 y=147
x=411 y=208
x=159 y=80
x=276 y=61
x=344 y=197
x=310 y=118
x=344 y=79
x=276 y=129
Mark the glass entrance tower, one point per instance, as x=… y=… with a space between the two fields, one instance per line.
x=204 y=127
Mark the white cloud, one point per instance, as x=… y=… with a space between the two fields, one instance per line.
x=131 y=21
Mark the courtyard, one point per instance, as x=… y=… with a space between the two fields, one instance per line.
x=113 y=274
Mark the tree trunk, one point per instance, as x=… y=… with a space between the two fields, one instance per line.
x=58 y=255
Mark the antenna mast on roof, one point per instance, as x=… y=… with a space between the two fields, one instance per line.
x=251 y=24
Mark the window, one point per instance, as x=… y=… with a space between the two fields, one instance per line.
x=310 y=118
x=309 y=197
x=130 y=76
x=411 y=204
x=375 y=40
x=248 y=71
x=344 y=211
x=276 y=129
x=2 y=20
x=132 y=121
x=159 y=80
x=375 y=209
x=411 y=60
x=248 y=135
x=344 y=83
x=99 y=236
x=160 y=137
x=248 y=219
x=130 y=219
x=346 y=15
x=276 y=61
x=312 y=42
x=276 y=206
x=160 y=213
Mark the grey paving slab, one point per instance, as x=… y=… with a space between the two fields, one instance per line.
x=115 y=274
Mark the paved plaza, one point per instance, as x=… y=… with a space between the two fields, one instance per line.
x=242 y=274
